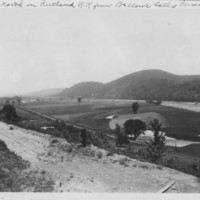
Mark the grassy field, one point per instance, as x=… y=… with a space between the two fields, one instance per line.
x=182 y=124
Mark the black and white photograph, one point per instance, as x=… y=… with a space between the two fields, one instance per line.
x=99 y=97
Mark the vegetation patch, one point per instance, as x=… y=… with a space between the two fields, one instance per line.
x=124 y=162
x=99 y=155
x=15 y=175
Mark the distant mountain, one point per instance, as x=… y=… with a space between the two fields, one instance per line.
x=83 y=89
x=151 y=84
x=146 y=84
x=45 y=93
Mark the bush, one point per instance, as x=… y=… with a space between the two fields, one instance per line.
x=99 y=155
x=92 y=153
x=3 y=146
x=55 y=133
x=54 y=141
x=156 y=147
x=175 y=163
x=72 y=137
x=60 y=126
x=124 y=161
x=97 y=139
x=121 y=137
x=110 y=153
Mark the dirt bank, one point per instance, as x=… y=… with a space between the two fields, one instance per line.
x=75 y=169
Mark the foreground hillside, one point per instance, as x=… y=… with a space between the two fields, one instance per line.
x=74 y=169
x=146 y=84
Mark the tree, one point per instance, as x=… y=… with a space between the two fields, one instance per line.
x=79 y=99
x=8 y=112
x=134 y=127
x=156 y=127
x=121 y=137
x=135 y=107
x=156 y=147
x=60 y=125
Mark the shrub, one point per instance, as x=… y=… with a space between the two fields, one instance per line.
x=54 y=141
x=99 y=155
x=97 y=139
x=72 y=137
x=110 y=153
x=60 y=126
x=86 y=151
x=92 y=153
x=70 y=149
x=175 y=163
x=123 y=162
x=121 y=137
x=156 y=147
x=55 y=133
x=3 y=146
x=144 y=166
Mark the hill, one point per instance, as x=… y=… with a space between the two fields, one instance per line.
x=45 y=93
x=84 y=89
x=152 y=84
x=146 y=84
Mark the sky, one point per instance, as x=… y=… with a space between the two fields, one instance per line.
x=57 y=48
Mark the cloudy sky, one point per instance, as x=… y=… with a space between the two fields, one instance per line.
x=50 y=48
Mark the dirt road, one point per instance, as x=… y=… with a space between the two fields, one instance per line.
x=75 y=169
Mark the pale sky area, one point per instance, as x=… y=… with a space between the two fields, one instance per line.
x=51 y=48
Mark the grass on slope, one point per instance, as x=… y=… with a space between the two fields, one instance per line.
x=15 y=175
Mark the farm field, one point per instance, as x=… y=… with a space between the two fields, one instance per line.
x=177 y=123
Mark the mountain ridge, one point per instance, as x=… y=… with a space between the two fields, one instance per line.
x=144 y=84
x=45 y=92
